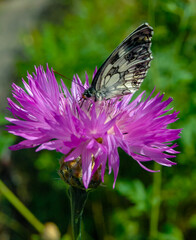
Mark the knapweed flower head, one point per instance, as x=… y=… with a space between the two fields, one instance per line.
x=48 y=116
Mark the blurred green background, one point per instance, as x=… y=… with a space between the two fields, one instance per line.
x=74 y=37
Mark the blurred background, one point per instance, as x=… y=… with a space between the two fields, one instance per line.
x=74 y=36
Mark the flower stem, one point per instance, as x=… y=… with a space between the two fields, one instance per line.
x=21 y=207
x=156 y=200
x=78 y=199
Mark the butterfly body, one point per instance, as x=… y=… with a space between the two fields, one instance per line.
x=125 y=69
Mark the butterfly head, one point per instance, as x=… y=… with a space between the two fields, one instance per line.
x=88 y=93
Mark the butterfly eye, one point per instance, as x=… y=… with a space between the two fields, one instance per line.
x=86 y=94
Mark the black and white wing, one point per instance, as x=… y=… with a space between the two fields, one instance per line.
x=125 y=69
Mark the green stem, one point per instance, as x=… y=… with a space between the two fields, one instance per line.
x=78 y=198
x=21 y=208
x=156 y=200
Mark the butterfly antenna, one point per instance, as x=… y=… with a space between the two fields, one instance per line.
x=62 y=75
x=68 y=79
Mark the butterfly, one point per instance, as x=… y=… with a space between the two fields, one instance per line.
x=125 y=69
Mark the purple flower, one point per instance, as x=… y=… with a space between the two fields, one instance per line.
x=49 y=116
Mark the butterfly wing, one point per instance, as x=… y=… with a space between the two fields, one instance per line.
x=125 y=69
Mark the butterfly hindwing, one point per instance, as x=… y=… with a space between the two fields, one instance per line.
x=125 y=69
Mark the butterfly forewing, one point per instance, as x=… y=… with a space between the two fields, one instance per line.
x=125 y=69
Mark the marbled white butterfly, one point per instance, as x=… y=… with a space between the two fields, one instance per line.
x=125 y=69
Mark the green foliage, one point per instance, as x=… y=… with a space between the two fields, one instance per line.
x=85 y=34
